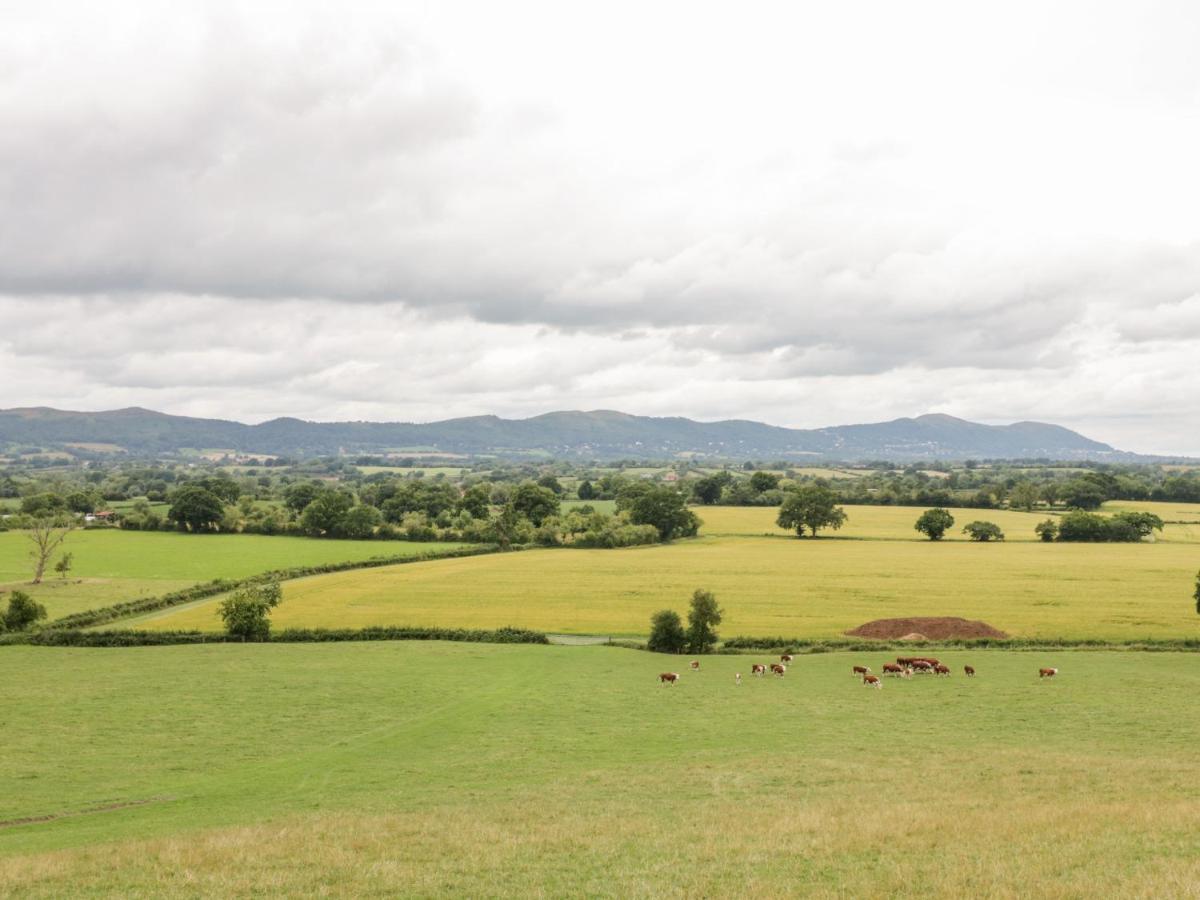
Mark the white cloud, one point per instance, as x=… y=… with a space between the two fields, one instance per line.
x=805 y=213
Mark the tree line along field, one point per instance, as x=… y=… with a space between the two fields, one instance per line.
x=772 y=584
x=111 y=566
x=344 y=770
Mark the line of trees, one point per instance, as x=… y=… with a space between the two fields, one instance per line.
x=668 y=635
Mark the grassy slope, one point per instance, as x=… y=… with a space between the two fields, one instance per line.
x=351 y=769
x=111 y=565
x=774 y=586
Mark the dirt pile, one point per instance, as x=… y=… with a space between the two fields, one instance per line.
x=933 y=628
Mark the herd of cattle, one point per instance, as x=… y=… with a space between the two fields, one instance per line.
x=903 y=667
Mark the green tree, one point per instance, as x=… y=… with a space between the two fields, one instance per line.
x=246 y=612
x=325 y=513
x=703 y=617
x=587 y=491
x=63 y=566
x=810 y=506
x=1196 y=595
x=666 y=510
x=476 y=501
x=550 y=483
x=359 y=523
x=1080 y=494
x=46 y=536
x=934 y=523
x=1144 y=523
x=534 y=502
x=298 y=496
x=1047 y=530
x=707 y=490
x=1024 y=495
x=764 y=481
x=984 y=531
x=666 y=632
x=23 y=612
x=196 y=508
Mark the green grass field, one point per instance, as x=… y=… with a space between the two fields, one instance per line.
x=111 y=566
x=422 y=769
x=771 y=583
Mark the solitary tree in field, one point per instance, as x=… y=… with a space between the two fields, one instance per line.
x=703 y=617
x=666 y=632
x=46 y=535
x=1047 y=530
x=63 y=566
x=984 y=531
x=934 y=523
x=246 y=612
x=810 y=506
x=23 y=611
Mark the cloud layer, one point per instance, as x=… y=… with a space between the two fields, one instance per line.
x=802 y=215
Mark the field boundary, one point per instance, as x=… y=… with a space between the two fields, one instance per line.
x=61 y=637
x=204 y=590
x=743 y=644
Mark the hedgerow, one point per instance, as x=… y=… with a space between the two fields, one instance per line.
x=62 y=637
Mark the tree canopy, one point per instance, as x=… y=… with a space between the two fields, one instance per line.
x=810 y=506
x=983 y=531
x=934 y=523
x=703 y=618
x=196 y=508
x=662 y=507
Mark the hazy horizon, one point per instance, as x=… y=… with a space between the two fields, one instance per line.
x=803 y=214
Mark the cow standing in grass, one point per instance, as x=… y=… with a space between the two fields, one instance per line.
x=1047 y=673
x=871 y=681
x=668 y=678
x=862 y=670
x=778 y=669
x=758 y=669
x=970 y=671
x=786 y=659
x=695 y=665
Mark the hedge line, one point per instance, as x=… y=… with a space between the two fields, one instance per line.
x=91 y=617
x=131 y=638
x=808 y=645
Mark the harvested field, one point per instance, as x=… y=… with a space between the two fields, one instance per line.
x=934 y=628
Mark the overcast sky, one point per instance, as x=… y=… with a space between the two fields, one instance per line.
x=806 y=213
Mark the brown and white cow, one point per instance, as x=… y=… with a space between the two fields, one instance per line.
x=668 y=677
x=872 y=681
x=1047 y=673
x=970 y=671
x=758 y=669
x=786 y=658
x=778 y=669
x=940 y=669
x=862 y=670
x=695 y=665
x=921 y=666
x=893 y=669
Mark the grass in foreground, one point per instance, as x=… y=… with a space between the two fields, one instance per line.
x=483 y=770
x=111 y=566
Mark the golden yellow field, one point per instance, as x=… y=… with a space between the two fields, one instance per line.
x=772 y=585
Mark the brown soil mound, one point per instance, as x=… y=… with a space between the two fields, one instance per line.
x=935 y=628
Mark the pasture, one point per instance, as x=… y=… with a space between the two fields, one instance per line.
x=771 y=583
x=111 y=565
x=375 y=768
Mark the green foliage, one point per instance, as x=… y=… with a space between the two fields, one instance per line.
x=63 y=566
x=246 y=612
x=704 y=616
x=586 y=491
x=1082 y=494
x=476 y=501
x=983 y=531
x=666 y=632
x=1144 y=523
x=764 y=481
x=359 y=523
x=131 y=638
x=1024 y=495
x=1196 y=594
x=1127 y=527
x=550 y=483
x=534 y=502
x=297 y=496
x=1046 y=530
x=810 y=506
x=665 y=509
x=23 y=612
x=45 y=504
x=324 y=514
x=196 y=508
x=934 y=523
x=707 y=490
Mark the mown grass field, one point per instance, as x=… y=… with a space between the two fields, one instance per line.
x=420 y=769
x=111 y=566
x=771 y=583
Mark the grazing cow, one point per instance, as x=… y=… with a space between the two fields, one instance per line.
x=970 y=670
x=695 y=665
x=778 y=669
x=904 y=660
x=940 y=669
x=668 y=677
x=893 y=669
x=872 y=681
x=923 y=666
x=1047 y=673
x=862 y=670
x=758 y=669
x=737 y=677
x=786 y=658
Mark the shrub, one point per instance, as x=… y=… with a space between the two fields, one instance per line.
x=246 y=612
x=23 y=612
x=1047 y=530
x=666 y=632
x=703 y=617
x=984 y=531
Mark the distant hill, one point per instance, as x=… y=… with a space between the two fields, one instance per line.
x=601 y=434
